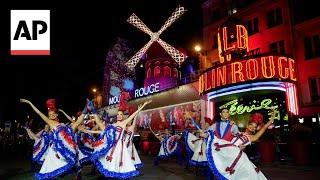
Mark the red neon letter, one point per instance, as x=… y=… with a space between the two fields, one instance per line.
x=225 y=40
x=270 y=67
x=252 y=69
x=235 y=71
x=213 y=78
x=201 y=84
x=208 y=80
x=242 y=37
x=220 y=48
x=292 y=70
x=221 y=76
x=281 y=61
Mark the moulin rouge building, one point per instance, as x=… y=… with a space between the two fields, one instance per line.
x=245 y=84
x=258 y=54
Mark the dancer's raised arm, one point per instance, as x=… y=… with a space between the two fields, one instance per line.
x=91 y=131
x=31 y=134
x=97 y=119
x=39 y=133
x=134 y=122
x=51 y=123
x=78 y=122
x=81 y=117
x=66 y=115
x=157 y=136
x=255 y=137
x=126 y=121
x=99 y=122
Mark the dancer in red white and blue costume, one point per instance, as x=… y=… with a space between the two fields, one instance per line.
x=227 y=160
x=111 y=156
x=41 y=144
x=169 y=145
x=130 y=145
x=196 y=144
x=85 y=142
x=62 y=152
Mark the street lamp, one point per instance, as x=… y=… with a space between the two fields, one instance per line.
x=202 y=56
x=197 y=48
x=96 y=97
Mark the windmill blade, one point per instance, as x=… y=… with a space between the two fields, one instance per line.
x=135 y=59
x=136 y=22
x=174 y=16
x=173 y=52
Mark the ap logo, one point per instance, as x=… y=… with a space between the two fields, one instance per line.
x=30 y=32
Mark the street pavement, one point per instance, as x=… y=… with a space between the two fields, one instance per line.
x=166 y=170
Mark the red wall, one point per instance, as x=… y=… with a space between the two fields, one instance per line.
x=307 y=68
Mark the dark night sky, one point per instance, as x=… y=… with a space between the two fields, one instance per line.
x=81 y=34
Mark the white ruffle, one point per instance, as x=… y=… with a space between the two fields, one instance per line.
x=220 y=160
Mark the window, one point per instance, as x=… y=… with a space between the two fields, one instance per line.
x=312 y=47
x=149 y=73
x=157 y=71
x=167 y=71
x=274 y=17
x=253 y=26
x=254 y=52
x=277 y=47
x=314 y=86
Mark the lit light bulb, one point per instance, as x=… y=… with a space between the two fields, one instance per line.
x=197 y=48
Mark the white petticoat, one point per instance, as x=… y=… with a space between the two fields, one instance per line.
x=222 y=160
x=61 y=155
x=132 y=150
x=40 y=148
x=169 y=146
x=85 y=149
x=198 y=146
x=117 y=161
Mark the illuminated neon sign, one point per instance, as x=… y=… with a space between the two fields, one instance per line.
x=236 y=108
x=268 y=67
x=147 y=90
x=114 y=100
x=138 y=93
x=226 y=44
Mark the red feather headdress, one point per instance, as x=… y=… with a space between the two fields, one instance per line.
x=123 y=103
x=51 y=105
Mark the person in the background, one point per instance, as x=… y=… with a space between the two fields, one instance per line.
x=146 y=120
x=169 y=145
x=171 y=120
x=197 y=144
x=141 y=120
x=224 y=128
x=178 y=117
x=163 y=124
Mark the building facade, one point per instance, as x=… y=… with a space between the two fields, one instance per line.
x=273 y=29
